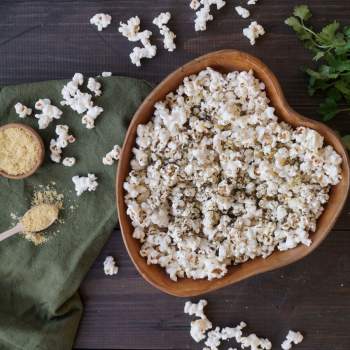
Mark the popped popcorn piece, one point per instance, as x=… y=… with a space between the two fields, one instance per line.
x=242 y=12
x=138 y=53
x=168 y=38
x=196 y=309
x=101 y=20
x=198 y=329
x=85 y=183
x=214 y=339
x=106 y=74
x=219 y=3
x=195 y=4
x=91 y=115
x=162 y=19
x=253 y=32
x=228 y=333
x=94 y=86
x=109 y=266
x=114 y=154
x=255 y=343
x=68 y=161
x=49 y=113
x=217 y=179
x=292 y=337
x=61 y=142
x=203 y=16
x=22 y=110
x=252 y=2
x=131 y=30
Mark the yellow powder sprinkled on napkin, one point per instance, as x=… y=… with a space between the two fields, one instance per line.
x=39 y=218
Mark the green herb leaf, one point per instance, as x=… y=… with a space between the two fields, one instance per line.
x=319 y=55
x=328 y=109
x=346 y=31
x=342 y=87
x=326 y=72
x=346 y=141
x=327 y=34
x=338 y=64
x=293 y=22
x=316 y=84
x=302 y=12
x=334 y=94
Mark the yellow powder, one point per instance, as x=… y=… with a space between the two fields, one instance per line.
x=39 y=218
x=19 y=151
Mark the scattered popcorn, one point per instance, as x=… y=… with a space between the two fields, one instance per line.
x=198 y=329
x=196 y=309
x=203 y=16
x=195 y=4
x=101 y=21
x=252 y=2
x=106 y=74
x=85 y=183
x=255 y=343
x=109 y=266
x=94 y=86
x=68 y=161
x=242 y=12
x=22 y=111
x=48 y=114
x=131 y=31
x=216 y=179
x=115 y=153
x=169 y=36
x=61 y=142
x=162 y=19
x=81 y=102
x=253 y=31
x=228 y=333
x=294 y=337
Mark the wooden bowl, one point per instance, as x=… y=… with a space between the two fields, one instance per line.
x=40 y=146
x=227 y=61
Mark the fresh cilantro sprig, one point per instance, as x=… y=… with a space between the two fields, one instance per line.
x=333 y=77
x=345 y=139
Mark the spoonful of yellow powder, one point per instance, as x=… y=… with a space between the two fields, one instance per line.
x=34 y=220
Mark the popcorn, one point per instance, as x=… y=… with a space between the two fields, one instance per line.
x=228 y=333
x=242 y=12
x=162 y=19
x=109 y=266
x=253 y=31
x=131 y=29
x=22 y=111
x=138 y=53
x=101 y=20
x=106 y=74
x=68 y=161
x=61 y=142
x=255 y=343
x=252 y=2
x=217 y=179
x=115 y=153
x=196 y=309
x=203 y=16
x=292 y=337
x=81 y=102
x=85 y=183
x=168 y=38
x=195 y=4
x=214 y=339
x=219 y=3
x=49 y=113
x=94 y=86
x=198 y=329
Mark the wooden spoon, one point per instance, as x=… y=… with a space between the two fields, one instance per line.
x=20 y=226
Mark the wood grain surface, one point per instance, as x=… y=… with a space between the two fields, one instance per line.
x=43 y=40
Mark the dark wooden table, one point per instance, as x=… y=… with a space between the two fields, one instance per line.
x=43 y=40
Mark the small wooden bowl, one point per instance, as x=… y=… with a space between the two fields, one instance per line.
x=40 y=146
x=225 y=62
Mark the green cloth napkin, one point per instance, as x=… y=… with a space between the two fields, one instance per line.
x=40 y=307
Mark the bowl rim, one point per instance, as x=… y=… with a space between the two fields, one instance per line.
x=283 y=106
x=41 y=149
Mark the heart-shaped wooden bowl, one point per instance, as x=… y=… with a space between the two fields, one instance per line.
x=225 y=62
x=41 y=148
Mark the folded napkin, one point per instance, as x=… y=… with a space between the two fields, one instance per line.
x=39 y=304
